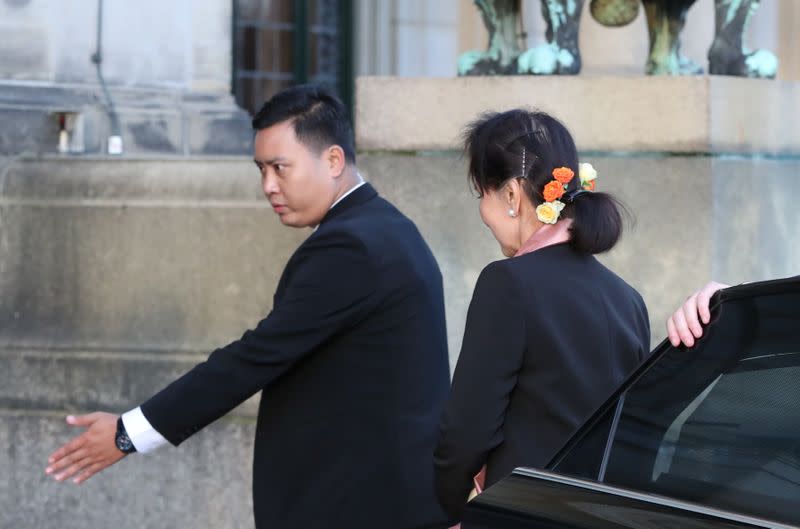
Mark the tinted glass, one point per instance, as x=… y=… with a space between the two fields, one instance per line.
x=586 y=455
x=720 y=424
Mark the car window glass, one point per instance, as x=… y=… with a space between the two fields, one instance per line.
x=720 y=425
x=586 y=456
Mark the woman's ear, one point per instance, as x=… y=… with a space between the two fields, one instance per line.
x=512 y=194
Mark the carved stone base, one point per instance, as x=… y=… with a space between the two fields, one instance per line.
x=707 y=114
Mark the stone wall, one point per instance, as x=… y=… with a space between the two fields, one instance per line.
x=705 y=165
x=118 y=275
x=167 y=66
x=177 y=44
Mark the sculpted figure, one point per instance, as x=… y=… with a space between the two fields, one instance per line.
x=560 y=55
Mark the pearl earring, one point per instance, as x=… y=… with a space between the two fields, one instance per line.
x=511 y=213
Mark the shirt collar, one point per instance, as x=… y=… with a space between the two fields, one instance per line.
x=360 y=183
x=547 y=235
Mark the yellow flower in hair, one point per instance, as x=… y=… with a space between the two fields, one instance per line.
x=548 y=212
x=586 y=173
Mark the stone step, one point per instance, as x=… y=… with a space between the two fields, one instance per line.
x=68 y=179
x=65 y=381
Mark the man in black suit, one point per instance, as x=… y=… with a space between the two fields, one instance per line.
x=352 y=360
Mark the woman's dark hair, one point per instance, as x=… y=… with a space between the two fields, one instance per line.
x=320 y=118
x=529 y=145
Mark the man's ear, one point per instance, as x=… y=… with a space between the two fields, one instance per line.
x=335 y=160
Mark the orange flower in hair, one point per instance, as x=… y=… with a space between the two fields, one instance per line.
x=563 y=174
x=553 y=191
x=588 y=186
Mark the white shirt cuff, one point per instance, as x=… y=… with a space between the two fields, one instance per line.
x=143 y=436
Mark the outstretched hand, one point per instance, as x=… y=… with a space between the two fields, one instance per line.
x=90 y=452
x=685 y=323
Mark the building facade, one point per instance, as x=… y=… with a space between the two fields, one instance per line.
x=172 y=78
x=120 y=272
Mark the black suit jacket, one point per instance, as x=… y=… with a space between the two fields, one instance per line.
x=549 y=336
x=353 y=365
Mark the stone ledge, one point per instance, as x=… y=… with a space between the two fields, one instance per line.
x=152 y=121
x=77 y=381
x=140 y=273
x=76 y=178
x=65 y=96
x=705 y=114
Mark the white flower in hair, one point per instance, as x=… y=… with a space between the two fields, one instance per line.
x=586 y=172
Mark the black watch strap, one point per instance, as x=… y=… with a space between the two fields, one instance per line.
x=123 y=442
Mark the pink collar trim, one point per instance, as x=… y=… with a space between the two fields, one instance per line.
x=547 y=235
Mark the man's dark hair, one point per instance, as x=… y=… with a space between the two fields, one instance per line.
x=320 y=119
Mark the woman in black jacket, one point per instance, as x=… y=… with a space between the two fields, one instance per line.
x=550 y=331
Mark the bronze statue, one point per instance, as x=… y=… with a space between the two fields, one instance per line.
x=560 y=55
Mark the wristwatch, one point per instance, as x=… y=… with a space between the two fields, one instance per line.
x=122 y=440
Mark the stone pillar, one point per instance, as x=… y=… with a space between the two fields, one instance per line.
x=409 y=38
x=788 y=50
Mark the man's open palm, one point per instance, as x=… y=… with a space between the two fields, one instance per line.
x=90 y=452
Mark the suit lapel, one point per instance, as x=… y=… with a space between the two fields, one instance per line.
x=358 y=197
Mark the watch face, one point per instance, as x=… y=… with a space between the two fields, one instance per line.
x=124 y=443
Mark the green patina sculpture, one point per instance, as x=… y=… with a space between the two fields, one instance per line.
x=665 y=20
